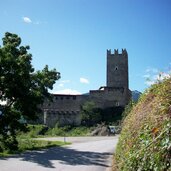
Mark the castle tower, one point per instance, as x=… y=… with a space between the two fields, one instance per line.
x=117 y=69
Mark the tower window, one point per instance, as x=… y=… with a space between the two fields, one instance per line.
x=116 y=68
x=117 y=103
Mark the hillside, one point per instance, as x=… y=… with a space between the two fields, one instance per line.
x=145 y=141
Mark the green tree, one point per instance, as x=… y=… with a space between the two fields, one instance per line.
x=21 y=87
x=90 y=114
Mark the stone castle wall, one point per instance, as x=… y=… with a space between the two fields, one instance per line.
x=65 y=109
x=108 y=97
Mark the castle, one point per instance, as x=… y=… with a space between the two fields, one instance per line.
x=65 y=109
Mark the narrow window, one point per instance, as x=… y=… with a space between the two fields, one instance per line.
x=117 y=103
x=116 y=68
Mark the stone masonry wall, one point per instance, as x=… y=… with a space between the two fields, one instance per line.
x=65 y=109
x=117 y=69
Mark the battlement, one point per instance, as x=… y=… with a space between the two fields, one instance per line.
x=116 y=52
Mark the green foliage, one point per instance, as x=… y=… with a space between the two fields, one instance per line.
x=90 y=114
x=57 y=131
x=21 y=87
x=112 y=114
x=128 y=109
x=79 y=131
x=33 y=131
x=29 y=144
x=8 y=143
x=145 y=141
x=68 y=131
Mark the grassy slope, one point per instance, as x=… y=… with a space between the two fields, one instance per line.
x=145 y=141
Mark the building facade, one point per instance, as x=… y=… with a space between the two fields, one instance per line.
x=65 y=109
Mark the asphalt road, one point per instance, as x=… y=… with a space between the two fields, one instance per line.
x=84 y=154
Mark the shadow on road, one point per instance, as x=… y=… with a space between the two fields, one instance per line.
x=65 y=155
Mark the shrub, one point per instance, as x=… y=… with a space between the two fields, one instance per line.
x=145 y=141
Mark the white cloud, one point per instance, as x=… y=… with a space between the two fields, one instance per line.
x=150 y=75
x=62 y=83
x=67 y=91
x=149 y=82
x=27 y=20
x=84 y=81
x=161 y=76
x=153 y=76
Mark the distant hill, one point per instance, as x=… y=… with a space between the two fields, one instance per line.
x=135 y=95
x=145 y=140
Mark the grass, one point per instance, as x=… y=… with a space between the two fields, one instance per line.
x=68 y=131
x=35 y=131
x=26 y=141
x=30 y=144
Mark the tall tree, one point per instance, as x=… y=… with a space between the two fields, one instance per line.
x=23 y=88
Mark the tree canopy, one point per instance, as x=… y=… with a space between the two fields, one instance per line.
x=23 y=88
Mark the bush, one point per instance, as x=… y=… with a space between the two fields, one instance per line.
x=8 y=144
x=90 y=114
x=68 y=131
x=33 y=131
x=112 y=114
x=145 y=140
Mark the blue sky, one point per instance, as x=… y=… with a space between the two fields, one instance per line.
x=73 y=36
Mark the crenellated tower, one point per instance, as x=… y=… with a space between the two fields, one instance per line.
x=117 y=69
x=66 y=109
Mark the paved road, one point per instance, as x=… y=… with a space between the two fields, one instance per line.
x=85 y=154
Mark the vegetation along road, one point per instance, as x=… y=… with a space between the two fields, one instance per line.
x=85 y=154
